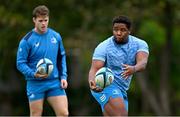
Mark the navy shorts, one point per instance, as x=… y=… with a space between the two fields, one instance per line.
x=44 y=88
x=111 y=91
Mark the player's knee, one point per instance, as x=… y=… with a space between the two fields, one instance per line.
x=63 y=113
x=115 y=107
x=36 y=112
x=123 y=112
x=66 y=113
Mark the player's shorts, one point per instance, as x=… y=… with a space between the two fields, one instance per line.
x=111 y=91
x=43 y=89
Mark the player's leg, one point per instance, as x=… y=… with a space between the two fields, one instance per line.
x=36 y=107
x=105 y=113
x=112 y=101
x=35 y=93
x=115 y=107
x=58 y=100
x=59 y=105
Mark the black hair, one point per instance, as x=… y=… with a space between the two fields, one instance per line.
x=122 y=19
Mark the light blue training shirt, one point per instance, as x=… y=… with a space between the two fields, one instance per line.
x=114 y=55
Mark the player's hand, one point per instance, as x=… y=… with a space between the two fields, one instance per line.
x=38 y=75
x=127 y=70
x=93 y=86
x=64 y=83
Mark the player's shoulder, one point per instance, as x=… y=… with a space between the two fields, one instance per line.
x=52 y=31
x=55 y=33
x=137 y=40
x=106 y=42
x=27 y=36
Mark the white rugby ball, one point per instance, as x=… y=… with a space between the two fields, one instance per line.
x=45 y=66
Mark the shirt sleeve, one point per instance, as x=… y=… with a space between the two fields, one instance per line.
x=143 y=46
x=62 y=60
x=100 y=52
x=22 y=59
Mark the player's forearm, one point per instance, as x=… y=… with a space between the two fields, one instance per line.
x=140 y=66
x=64 y=68
x=25 y=70
x=91 y=75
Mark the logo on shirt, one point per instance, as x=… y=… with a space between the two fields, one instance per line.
x=53 y=40
x=20 y=49
x=103 y=98
x=36 y=44
x=115 y=92
x=32 y=96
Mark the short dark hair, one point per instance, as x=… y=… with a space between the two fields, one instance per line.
x=40 y=10
x=122 y=19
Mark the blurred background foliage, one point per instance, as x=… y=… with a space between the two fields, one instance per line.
x=83 y=24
